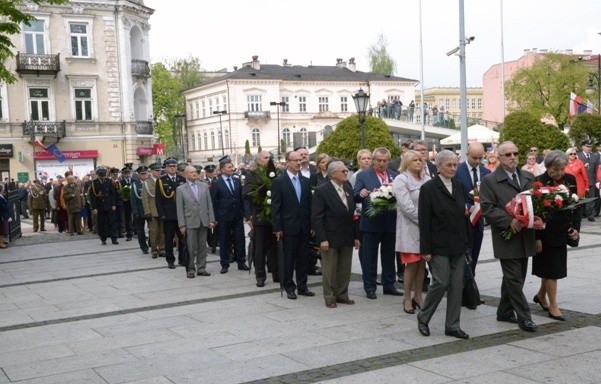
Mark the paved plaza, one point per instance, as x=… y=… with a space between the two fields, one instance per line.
x=79 y=312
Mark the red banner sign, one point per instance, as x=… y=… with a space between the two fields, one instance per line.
x=144 y=151
x=85 y=154
x=158 y=149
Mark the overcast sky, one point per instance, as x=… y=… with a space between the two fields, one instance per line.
x=224 y=34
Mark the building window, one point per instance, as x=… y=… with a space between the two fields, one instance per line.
x=210 y=107
x=254 y=103
x=219 y=138
x=79 y=39
x=191 y=110
x=479 y=103
x=344 y=104
x=454 y=104
x=34 y=37
x=226 y=139
x=286 y=136
x=39 y=103
x=204 y=111
x=323 y=104
x=447 y=104
x=256 y=137
x=212 y=140
x=302 y=104
x=473 y=103
x=304 y=137
x=197 y=110
x=223 y=108
x=83 y=104
x=205 y=141
x=286 y=107
x=197 y=141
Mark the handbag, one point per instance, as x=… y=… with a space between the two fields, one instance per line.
x=471 y=294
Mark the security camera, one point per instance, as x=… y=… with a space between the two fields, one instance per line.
x=469 y=39
x=453 y=51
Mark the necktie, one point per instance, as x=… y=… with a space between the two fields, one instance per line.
x=297 y=188
x=230 y=185
x=475 y=174
x=514 y=177
x=342 y=196
x=195 y=190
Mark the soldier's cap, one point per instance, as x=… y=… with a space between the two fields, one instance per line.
x=210 y=168
x=198 y=168
x=170 y=161
x=155 y=167
x=125 y=170
x=114 y=171
x=129 y=165
x=224 y=158
x=182 y=166
x=101 y=171
x=142 y=169
x=36 y=181
x=586 y=143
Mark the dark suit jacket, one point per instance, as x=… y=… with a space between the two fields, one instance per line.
x=287 y=214
x=251 y=209
x=106 y=195
x=385 y=222
x=464 y=174
x=316 y=179
x=444 y=228
x=166 y=206
x=331 y=219
x=591 y=170
x=432 y=169
x=555 y=233
x=395 y=164
x=227 y=206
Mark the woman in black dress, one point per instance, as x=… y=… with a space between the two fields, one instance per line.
x=321 y=163
x=550 y=262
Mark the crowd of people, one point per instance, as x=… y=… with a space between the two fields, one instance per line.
x=299 y=212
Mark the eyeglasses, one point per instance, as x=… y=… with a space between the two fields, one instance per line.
x=422 y=150
x=571 y=154
x=509 y=154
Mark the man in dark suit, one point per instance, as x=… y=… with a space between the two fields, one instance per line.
x=118 y=215
x=226 y=193
x=137 y=206
x=164 y=197
x=291 y=219
x=470 y=172
x=591 y=163
x=336 y=232
x=396 y=163
x=102 y=202
x=379 y=231
x=496 y=190
x=126 y=182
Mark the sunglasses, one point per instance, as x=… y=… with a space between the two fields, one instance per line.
x=509 y=154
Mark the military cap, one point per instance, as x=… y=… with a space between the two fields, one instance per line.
x=36 y=181
x=142 y=169
x=125 y=170
x=170 y=161
x=155 y=167
x=224 y=158
x=101 y=171
x=129 y=165
x=198 y=168
x=586 y=143
x=182 y=166
x=210 y=168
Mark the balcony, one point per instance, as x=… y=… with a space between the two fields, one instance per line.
x=45 y=129
x=257 y=115
x=144 y=127
x=140 y=68
x=28 y=63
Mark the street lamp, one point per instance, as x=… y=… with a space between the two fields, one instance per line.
x=590 y=88
x=181 y=133
x=279 y=104
x=361 y=100
x=221 y=129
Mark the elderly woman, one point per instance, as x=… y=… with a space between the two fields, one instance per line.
x=321 y=164
x=531 y=165
x=406 y=187
x=492 y=161
x=550 y=262
x=445 y=237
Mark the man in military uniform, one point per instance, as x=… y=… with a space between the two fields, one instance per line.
x=212 y=235
x=156 y=236
x=167 y=209
x=118 y=215
x=137 y=207
x=102 y=200
x=125 y=184
x=37 y=205
x=72 y=197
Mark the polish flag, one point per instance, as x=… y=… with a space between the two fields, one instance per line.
x=38 y=143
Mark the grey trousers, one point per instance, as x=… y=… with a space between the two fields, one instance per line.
x=447 y=273
x=336 y=273
x=512 y=289
x=197 y=248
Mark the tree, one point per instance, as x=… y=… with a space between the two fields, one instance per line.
x=544 y=88
x=187 y=71
x=11 y=25
x=526 y=130
x=167 y=103
x=345 y=141
x=259 y=149
x=585 y=126
x=380 y=60
x=282 y=146
x=246 y=147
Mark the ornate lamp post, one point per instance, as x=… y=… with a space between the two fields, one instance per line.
x=361 y=101
x=279 y=104
x=221 y=129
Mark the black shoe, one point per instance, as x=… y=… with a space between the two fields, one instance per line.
x=560 y=318
x=482 y=302
x=378 y=282
x=423 y=327
x=171 y=266
x=314 y=273
x=458 y=334
x=306 y=293
x=527 y=325
x=400 y=278
x=537 y=301
x=393 y=292
x=414 y=304
x=128 y=238
x=260 y=283
x=103 y=242
x=591 y=219
x=154 y=256
x=223 y=270
x=511 y=319
x=409 y=311
x=243 y=267
x=291 y=295
x=213 y=250
x=115 y=242
x=276 y=279
x=372 y=295
x=145 y=252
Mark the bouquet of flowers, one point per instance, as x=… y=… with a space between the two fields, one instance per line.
x=382 y=201
x=260 y=188
x=125 y=193
x=535 y=207
x=477 y=211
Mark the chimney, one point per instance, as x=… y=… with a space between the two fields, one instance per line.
x=340 y=63
x=286 y=63
x=256 y=64
x=352 y=65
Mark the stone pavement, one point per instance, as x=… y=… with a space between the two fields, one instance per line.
x=80 y=312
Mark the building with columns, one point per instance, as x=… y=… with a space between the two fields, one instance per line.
x=83 y=83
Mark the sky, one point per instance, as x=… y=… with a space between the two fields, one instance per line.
x=224 y=34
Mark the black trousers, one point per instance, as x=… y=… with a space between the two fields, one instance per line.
x=266 y=248
x=119 y=220
x=140 y=222
x=170 y=230
x=296 y=252
x=231 y=231
x=127 y=218
x=106 y=225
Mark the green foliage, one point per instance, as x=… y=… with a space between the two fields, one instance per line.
x=259 y=150
x=525 y=130
x=345 y=141
x=10 y=24
x=187 y=71
x=543 y=89
x=452 y=124
x=380 y=60
x=282 y=146
x=247 y=147
x=585 y=126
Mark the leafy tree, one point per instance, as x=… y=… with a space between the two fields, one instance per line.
x=380 y=60
x=526 y=129
x=452 y=124
x=187 y=71
x=10 y=24
x=544 y=88
x=259 y=149
x=345 y=141
x=585 y=126
x=247 y=147
x=282 y=146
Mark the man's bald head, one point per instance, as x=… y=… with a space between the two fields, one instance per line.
x=475 y=154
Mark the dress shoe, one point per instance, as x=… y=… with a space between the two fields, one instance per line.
x=393 y=292
x=423 y=327
x=537 y=301
x=291 y=295
x=145 y=252
x=80 y=233
x=306 y=293
x=42 y=230
x=276 y=279
x=203 y=273
x=103 y=242
x=314 y=273
x=223 y=270
x=345 y=301
x=154 y=255
x=482 y=302
x=511 y=319
x=378 y=282
x=35 y=230
x=331 y=305
x=458 y=334
x=190 y=275
x=409 y=311
x=115 y=242
x=260 y=283
x=128 y=238
x=527 y=325
x=591 y=219
x=243 y=267
x=171 y=266
x=414 y=304
x=560 y=318
x=372 y=295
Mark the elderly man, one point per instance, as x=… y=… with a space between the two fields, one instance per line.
x=73 y=202
x=496 y=190
x=194 y=216
x=336 y=232
x=37 y=205
x=156 y=236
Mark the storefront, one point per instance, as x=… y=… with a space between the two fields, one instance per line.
x=6 y=153
x=79 y=162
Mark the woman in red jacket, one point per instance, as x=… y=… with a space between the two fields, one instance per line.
x=576 y=167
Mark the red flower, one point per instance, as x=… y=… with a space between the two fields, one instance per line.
x=537 y=184
x=536 y=192
x=559 y=203
x=546 y=203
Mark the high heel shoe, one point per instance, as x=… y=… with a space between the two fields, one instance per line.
x=409 y=311
x=560 y=318
x=414 y=304
x=537 y=301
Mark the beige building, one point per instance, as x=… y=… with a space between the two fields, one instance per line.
x=83 y=84
x=448 y=97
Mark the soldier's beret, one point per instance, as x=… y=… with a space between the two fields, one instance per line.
x=155 y=167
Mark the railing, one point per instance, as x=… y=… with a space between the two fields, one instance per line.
x=144 y=127
x=31 y=63
x=257 y=115
x=45 y=128
x=140 y=68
